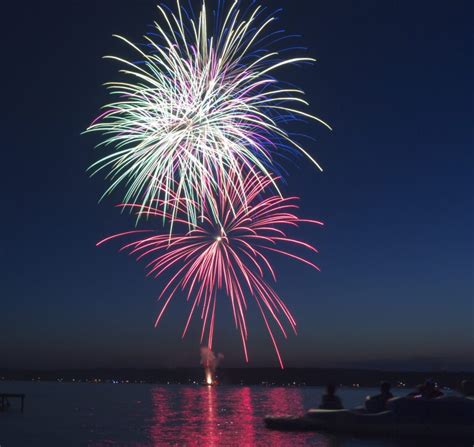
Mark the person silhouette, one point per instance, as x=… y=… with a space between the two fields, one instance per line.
x=330 y=401
x=430 y=390
x=377 y=403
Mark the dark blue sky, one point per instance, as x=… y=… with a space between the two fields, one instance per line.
x=394 y=78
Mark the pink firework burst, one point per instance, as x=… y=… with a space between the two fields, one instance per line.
x=226 y=253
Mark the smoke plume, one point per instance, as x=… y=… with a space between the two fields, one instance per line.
x=210 y=362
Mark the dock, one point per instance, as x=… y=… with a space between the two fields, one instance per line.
x=5 y=400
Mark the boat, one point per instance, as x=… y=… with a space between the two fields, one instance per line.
x=440 y=419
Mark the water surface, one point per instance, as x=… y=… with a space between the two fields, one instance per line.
x=138 y=415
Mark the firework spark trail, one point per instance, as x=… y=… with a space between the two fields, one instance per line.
x=228 y=254
x=201 y=109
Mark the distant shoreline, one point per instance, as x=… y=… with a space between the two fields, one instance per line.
x=240 y=376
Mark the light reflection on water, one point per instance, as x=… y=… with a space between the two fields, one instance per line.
x=107 y=415
x=216 y=416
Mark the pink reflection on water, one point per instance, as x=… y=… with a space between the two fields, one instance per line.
x=224 y=416
x=284 y=401
x=247 y=418
x=161 y=414
x=202 y=416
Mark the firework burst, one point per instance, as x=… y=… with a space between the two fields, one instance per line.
x=228 y=255
x=201 y=109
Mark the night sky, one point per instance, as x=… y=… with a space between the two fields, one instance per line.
x=393 y=78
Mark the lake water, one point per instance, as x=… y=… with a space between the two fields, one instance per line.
x=81 y=414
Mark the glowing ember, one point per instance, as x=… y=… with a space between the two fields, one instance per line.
x=208 y=377
x=210 y=362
